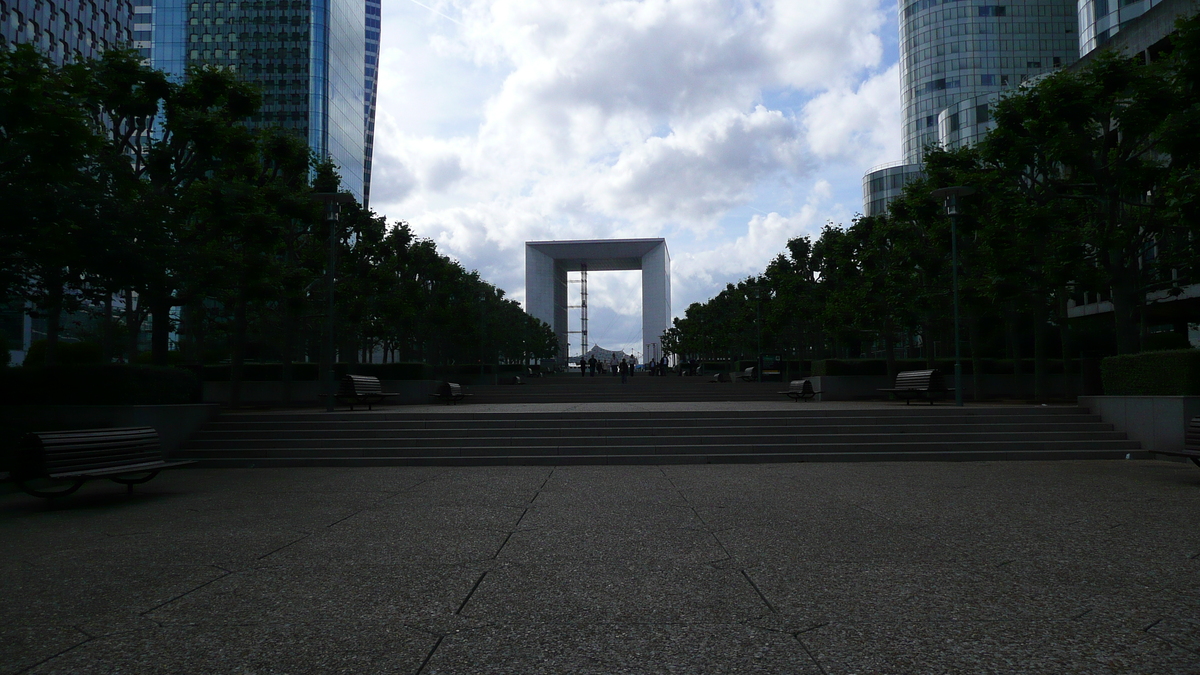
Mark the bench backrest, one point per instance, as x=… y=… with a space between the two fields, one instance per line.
x=359 y=385
x=1191 y=440
x=802 y=386
x=450 y=389
x=48 y=452
x=932 y=380
x=749 y=372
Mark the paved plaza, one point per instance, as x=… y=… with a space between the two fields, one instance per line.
x=833 y=568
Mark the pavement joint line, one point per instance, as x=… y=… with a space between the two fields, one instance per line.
x=808 y=651
x=759 y=591
x=185 y=593
x=55 y=656
x=271 y=553
x=430 y=654
x=471 y=593
x=1085 y=613
x=1156 y=622
x=521 y=518
x=705 y=527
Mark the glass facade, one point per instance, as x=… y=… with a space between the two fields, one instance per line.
x=1099 y=20
x=884 y=183
x=66 y=30
x=371 y=84
x=951 y=50
x=307 y=56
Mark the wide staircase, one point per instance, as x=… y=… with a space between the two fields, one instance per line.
x=461 y=436
x=639 y=388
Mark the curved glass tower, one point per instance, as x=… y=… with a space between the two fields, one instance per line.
x=951 y=51
x=955 y=56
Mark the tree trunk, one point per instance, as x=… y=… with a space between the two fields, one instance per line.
x=133 y=321
x=1064 y=332
x=106 y=341
x=1126 y=306
x=160 y=328
x=289 y=348
x=237 y=358
x=889 y=344
x=927 y=340
x=53 y=310
x=1039 y=356
x=973 y=341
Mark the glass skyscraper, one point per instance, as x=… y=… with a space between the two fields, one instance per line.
x=67 y=29
x=955 y=57
x=309 y=57
x=371 y=84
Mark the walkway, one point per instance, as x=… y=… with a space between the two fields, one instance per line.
x=834 y=568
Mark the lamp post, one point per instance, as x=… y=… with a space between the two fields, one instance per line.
x=332 y=202
x=758 y=362
x=951 y=195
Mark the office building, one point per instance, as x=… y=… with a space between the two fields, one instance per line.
x=955 y=57
x=66 y=30
x=310 y=57
x=371 y=85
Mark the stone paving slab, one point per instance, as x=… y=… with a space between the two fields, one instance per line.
x=824 y=568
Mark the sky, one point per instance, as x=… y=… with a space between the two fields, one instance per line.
x=726 y=127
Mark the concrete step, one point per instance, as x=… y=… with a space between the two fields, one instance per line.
x=489 y=428
x=618 y=440
x=487 y=436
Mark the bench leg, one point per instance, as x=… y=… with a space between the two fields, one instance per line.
x=36 y=487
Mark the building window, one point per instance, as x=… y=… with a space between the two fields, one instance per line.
x=1033 y=64
x=982 y=115
x=954 y=122
x=993 y=10
x=987 y=80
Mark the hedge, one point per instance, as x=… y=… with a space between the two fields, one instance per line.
x=67 y=354
x=878 y=367
x=1174 y=372
x=97 y=385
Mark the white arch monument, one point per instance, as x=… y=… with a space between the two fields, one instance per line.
x=547 y=264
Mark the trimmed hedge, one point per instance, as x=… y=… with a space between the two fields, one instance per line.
x=97 y=385
x=878 y=367
x=68 y=354
x=1173 y=372
x=262 y=372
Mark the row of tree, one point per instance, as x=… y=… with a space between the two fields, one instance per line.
x=1086 y=184
x=120 y=182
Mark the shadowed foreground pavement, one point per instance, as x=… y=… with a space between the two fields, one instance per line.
x=918 y=567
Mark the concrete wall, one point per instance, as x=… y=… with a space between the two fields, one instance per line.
x=174 y=423
x=849 y=388
x=656 y=300
x=1159 y=422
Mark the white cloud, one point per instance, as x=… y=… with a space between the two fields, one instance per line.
x=543 y=119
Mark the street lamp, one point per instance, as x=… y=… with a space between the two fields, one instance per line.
x=758 y=328
x=951 y=195
x=333 y=205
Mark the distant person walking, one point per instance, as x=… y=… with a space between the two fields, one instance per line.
x=624 y=371
x=583 y=366
x=615 y=366
x=592 y=365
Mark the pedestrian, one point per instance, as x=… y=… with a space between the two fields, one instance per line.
x=624 y=371
x=592 y=365
x=614 y=365
x=582 y=366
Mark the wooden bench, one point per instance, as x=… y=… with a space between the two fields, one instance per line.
x=800 y=390
x=912 y=383
x=450 y=392
x=1191 y=443
x=361 y=389
x=56 y=463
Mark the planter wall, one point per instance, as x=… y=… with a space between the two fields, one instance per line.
x=309 y=393
x=1157 y=421
x=859 y=388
